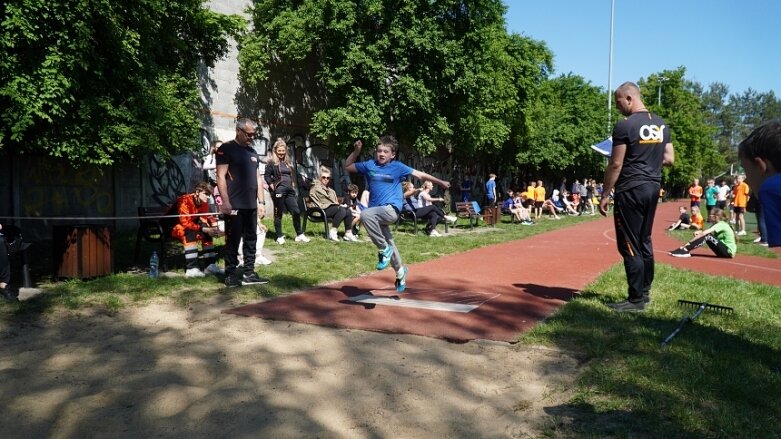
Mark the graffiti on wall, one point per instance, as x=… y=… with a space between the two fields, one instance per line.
x=165 y=179
x=53 y=188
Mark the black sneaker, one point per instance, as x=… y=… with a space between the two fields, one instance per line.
x=9 y=294
x=627 y=306
x=252 y=278
x=680 y=253
x=646 y=298
x=232 y=280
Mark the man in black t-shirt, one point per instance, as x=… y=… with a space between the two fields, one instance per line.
x=241 y=189
x=641 y=146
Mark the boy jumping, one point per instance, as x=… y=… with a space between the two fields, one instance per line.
x=383 y=177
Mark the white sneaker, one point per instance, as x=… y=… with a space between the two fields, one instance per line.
x=214 y=269
x=434 y=233
x=302 y=238
x=262 y=260
x=450 y=219
x=350 y=237
x=332 y=235
x=194 y=272
x=742 y=233
x=281 y=240
x=758 y=240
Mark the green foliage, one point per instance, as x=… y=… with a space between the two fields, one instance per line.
x=434 y=73
x=95 y=82
x=566 y=117
x=685 y=115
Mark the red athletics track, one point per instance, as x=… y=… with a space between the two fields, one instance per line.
x=506 y=288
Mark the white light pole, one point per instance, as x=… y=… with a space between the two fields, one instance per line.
x=610 y=70
x=659 y=96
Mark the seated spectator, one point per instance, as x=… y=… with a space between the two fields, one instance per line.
x=569 y=205
x=508 y=203
x=683 y=222
x=720 y=238
x=423 y=207
x=325 y=198
x=520 y=211
x=355 y=206
x=561 y=202
x=548 y=206
x=193 y=227
x=698 y=222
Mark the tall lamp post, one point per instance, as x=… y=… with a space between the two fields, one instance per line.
x=610 y=69
x=661 y=79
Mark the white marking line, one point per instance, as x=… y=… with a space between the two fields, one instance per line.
x=476 y=300
x=717 y=260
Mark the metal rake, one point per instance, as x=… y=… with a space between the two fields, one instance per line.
x=701 y=307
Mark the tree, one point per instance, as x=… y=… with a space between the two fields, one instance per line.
x=566 y=117
x=434 y=73
x=696 y=153
x=95 y=82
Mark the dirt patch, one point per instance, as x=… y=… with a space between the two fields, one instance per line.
x=165 y=371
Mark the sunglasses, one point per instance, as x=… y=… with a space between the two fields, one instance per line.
x=249 y=135
x=326 y=178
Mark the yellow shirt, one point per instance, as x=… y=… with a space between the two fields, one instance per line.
x=539 y=193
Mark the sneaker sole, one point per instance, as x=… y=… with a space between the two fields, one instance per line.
x=243 y=282
x=681 y=256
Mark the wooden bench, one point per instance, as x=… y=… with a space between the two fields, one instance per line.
x=465 y=209
x=154 y=230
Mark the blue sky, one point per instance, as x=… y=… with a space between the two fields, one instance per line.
x=729 y=41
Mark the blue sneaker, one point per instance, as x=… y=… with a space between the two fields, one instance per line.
x=384 y=257
x=401 y=280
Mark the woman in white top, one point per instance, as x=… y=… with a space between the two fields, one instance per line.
x=424 y=209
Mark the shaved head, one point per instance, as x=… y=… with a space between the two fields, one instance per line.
x=628 y=98
x=629 y=88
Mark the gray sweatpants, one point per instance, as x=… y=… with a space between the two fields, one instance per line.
x=377 y=222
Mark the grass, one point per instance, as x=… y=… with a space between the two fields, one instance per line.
x=297 y=266
x=719 y=378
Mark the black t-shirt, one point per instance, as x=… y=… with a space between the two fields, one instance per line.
x=243 y=163
x=645 y=136
x=685 y=219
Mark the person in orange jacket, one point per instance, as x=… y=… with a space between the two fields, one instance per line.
x=193 y=228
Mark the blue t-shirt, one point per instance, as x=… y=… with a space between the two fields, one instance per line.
x=490 y=187
x=770 y=203
x=385 y=182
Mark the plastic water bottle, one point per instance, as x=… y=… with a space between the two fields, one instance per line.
x=154 y=264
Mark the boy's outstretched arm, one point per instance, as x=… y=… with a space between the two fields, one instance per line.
x=349 y=163
x=424 y=176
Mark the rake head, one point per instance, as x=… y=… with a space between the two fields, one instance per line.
x=706 y=306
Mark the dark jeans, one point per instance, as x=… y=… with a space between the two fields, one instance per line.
x=285 y=199
x=242 y=225
x=339 y=214
x=433 y=214
x=634 y=214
